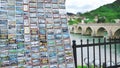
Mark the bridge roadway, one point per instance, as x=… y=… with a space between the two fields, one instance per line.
x=97 y=29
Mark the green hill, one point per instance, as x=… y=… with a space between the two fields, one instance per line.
x=109 y=11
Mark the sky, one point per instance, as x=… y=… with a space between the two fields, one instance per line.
x=82 y=6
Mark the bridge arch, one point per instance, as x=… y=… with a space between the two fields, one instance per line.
x=72 y=28
x=117 y=33
x=89 y=31
x=79 y=29
x=102 y=32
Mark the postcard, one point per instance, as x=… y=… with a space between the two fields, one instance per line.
x=19 y=3
x=45 y=66
x=50 y=37
x=55 y=11
x=57 y=20
x=20 y=55
x=35 y=56
x=70 y=65
x=43 y=54
x=52 y=54
x=56 y=15
x=50 y=42
x=53 y=66
x=69 y=59
x=60 y=48
x=21 y=62
x=43 y=43
x=59 y=42
x=25 y=1
x=33 y=1
x=62 y=66
x=49 y=25
x=67 y=41
x=67 y=46
x=28 y=66
x=11 y=13
x=64 y=20
x=34 y=26
x=26 y=22
x=32 y=10
x=26 y=30
x=57 y=25
x=11 y=2
x=36 y=66
x=61 y=54
x=48 y=5
x=61 y=60
x=4 y=31
x=49 y=20
x=34 y=38
x=3 y=22
x=35 y=49
x=42 y=31
x=48 y=15
x=33 y=20
x=41 y=21
x=20 y=31
x=25 y=7
x=43 y=49
x=50 y=31
x=40 y=15
x=40 y=10
x=35 y=62
x=10 y=36
x=27 y=38
x=64 y=29
x=20 y=36
x=53 y=61
x=5 y=63
x=20 y=26
x=19 y=20
x=32 y=4
x=68 y=53
x=34 y=31
x=64 y=26
x=62 y=1
x=63 y=15
x=62 y=6
x=40 y=5
x=40 y=0
x=41 y=25
x=62 y=11
x=51 y=48
x=28 y=61
x=58 y=36
x=12 y=31
x=33 y=14
x=66 y=35
x=58 y=31
x=44 y=61
x=55 y=6
x=25 y=15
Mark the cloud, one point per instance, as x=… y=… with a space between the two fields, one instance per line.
x=75 y=6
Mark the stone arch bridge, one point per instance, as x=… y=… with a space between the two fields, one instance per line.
x=95 y=29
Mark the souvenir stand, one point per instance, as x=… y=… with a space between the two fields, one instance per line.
x=34 y=34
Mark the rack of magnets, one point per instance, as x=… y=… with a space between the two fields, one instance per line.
x=34 y=34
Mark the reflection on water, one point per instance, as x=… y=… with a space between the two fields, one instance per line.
x=78 y=37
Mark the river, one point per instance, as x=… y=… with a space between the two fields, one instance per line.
x=78 y=37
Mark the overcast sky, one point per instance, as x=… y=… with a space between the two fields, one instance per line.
x=75 y=6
